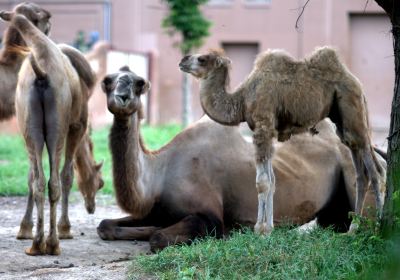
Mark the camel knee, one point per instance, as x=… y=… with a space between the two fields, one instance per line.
x=105 y=230
x=54 y=190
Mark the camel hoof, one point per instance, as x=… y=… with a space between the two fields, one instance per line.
x=53 y=249
x=24 y=235
x=353 y=228
x=263 y=229
x=158 y=241
x=65 y=235
x=36 y=250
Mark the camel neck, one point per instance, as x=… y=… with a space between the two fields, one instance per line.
x=128 y=163
x=14 y=47
x=221 y=106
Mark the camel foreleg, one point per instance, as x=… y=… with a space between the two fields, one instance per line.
x=186 y=230
x=265 y=180
x=26 y=225
x=126 y=228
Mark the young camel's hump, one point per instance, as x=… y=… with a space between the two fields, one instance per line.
x=301 y=93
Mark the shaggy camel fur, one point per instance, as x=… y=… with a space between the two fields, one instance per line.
x=13 y=54
x=203 y=181
x=282 y=97
x=51 y=107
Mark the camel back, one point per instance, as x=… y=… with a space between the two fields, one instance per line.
x=80 y=64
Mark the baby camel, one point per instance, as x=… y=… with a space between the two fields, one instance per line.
x=281 y=97
x=51 y=107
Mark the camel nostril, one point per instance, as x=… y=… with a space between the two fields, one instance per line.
x=122 y=98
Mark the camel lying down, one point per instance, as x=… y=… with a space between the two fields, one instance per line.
x=203 y=181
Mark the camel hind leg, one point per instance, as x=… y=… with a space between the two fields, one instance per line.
x=54 y=138
x=34 y=140
x=353 y=128
x=75 y=134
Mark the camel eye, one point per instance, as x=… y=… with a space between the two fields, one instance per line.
x=201 y=59
x=140 y=83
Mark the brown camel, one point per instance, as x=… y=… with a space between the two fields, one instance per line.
x=282 y=97
x=51 y=107
x=13 y=53
x=11 y=57
x=203 y=181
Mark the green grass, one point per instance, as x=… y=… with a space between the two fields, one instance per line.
x=14 y=161
x=322 y=254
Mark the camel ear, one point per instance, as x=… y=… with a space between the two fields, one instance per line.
x=107 y=82
x=147 y=87
x=223 y=61
x=99 y=165
x=6 y=16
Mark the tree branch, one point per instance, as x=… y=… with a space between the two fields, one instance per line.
x=300 y=15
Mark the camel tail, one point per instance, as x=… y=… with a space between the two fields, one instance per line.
x=80 y=64
x=39 y=72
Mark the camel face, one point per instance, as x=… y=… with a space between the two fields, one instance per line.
x=123 y=91
x=200 y=65
x=34 y=13
x=89 y=187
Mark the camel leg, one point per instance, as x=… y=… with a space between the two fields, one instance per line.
x=126 y=228
x=54 y=143
x=186 y=230
x=374 y=177
x=361 y=185
x=74 y=137
x=25 y=228
x=265 y=180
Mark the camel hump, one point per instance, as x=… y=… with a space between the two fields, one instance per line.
x=324 y=58
x=275 y=60
x=80 y=64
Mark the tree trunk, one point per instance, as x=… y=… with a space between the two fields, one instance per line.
x=392 y=205
x=186 y=100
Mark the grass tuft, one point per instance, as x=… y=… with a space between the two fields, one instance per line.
x=14 y=163
x=286 y=254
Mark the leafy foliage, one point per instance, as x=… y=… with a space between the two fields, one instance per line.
x=186 y=18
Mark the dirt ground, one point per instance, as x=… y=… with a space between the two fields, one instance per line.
x=85 y=256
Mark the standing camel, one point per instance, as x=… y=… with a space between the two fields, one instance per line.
x=12 y=55
x=51 y=107
x=203 y=181
x=282 y=97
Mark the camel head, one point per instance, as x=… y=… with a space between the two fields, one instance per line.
x=34 y=13
x=200 y=65
x=123 y=90
x=89 y=177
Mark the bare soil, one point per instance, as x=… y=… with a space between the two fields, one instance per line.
x=85 y=256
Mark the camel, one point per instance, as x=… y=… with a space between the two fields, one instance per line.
x=51 y=107
x=282 y=97
x=203 y=181
x=13 y=53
